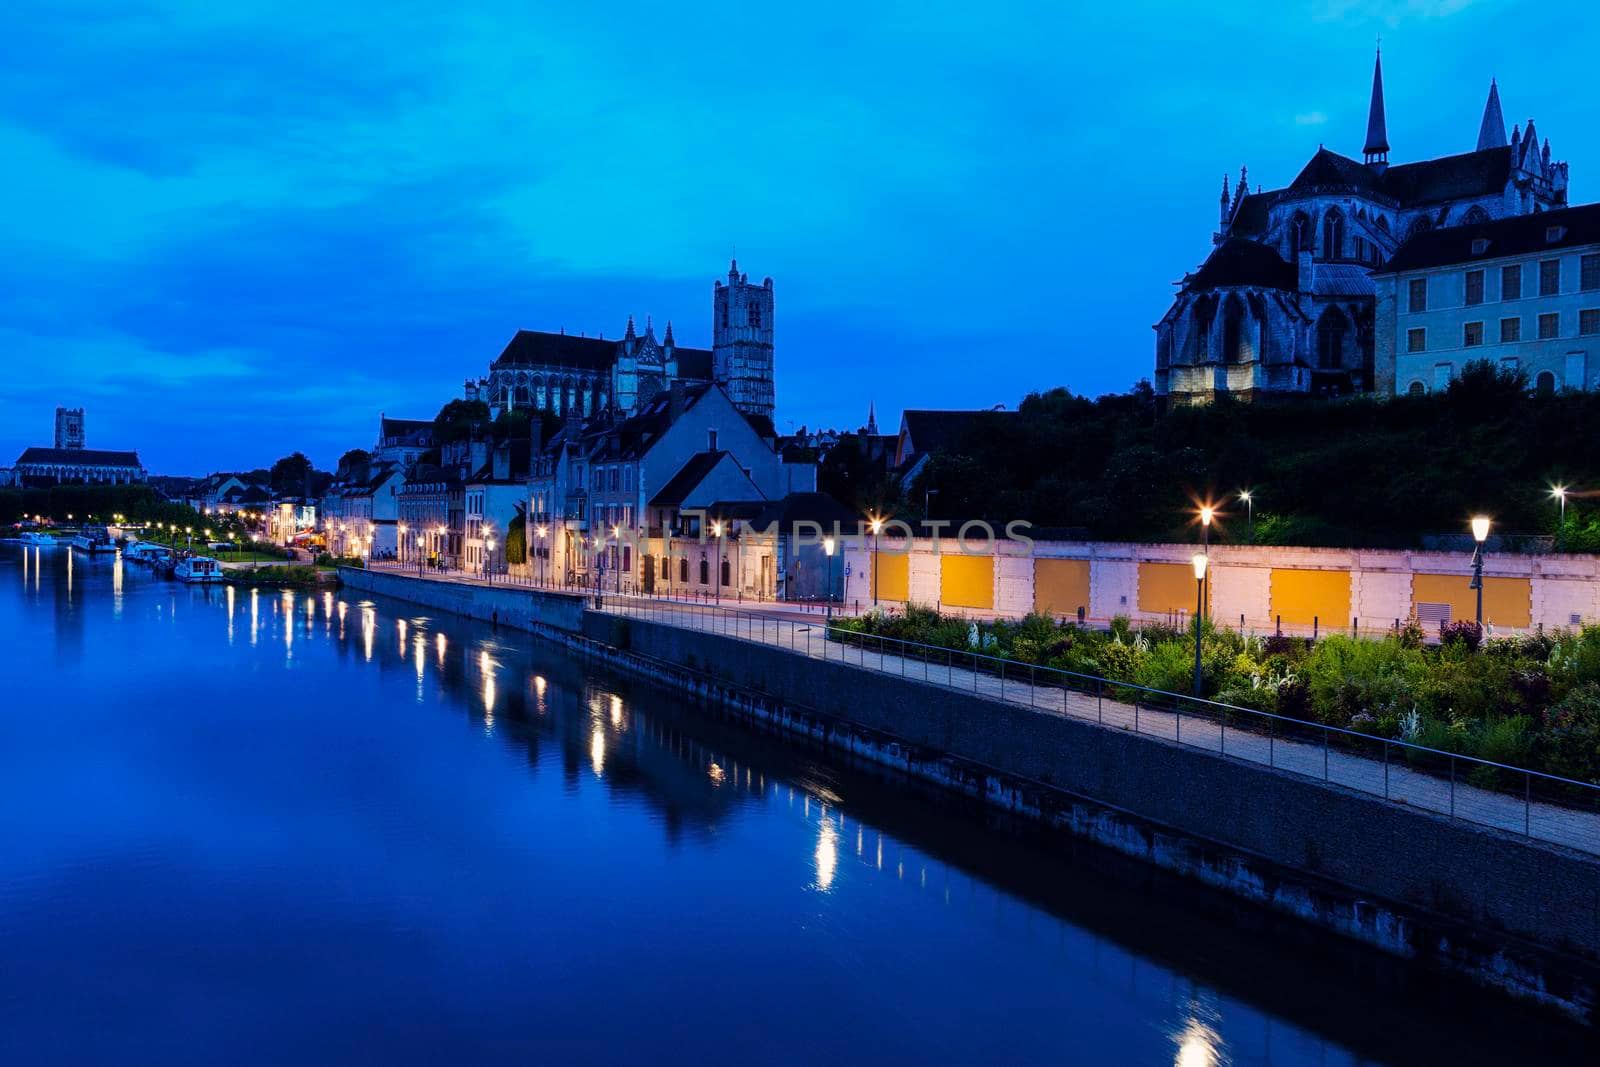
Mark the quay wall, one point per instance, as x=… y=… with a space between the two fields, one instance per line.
x=1515 y=914
x=511 y=606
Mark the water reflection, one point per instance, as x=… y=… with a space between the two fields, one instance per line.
x=591 y=825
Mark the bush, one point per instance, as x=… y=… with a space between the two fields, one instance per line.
x=1465 y=632
x=1569 y=744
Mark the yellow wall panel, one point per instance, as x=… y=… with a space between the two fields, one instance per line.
x=1506 y=601
x=1166 y=587
x=893 y=575
x=1300 y=597
x=966 y=581
x=1060 y=586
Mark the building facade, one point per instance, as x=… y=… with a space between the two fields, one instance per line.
x=69 y=428
x=574 y=375
x=78 y=466
x=1286 y=304
x=1521 y=292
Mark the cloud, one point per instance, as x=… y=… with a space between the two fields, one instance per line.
x=1310 y=118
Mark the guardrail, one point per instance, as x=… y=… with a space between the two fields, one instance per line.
x=1515 y=799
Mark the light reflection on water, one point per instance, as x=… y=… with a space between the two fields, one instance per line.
x=451 y=895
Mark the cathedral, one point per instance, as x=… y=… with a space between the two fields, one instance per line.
x=580 y=376
x=1285 y=302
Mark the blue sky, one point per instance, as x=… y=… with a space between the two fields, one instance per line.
x=237 y=229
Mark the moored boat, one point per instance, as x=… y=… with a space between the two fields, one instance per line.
x=198 y=569
x=93 y=540
x=38 y=540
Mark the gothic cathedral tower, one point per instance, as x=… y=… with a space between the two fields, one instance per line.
x=741 y=349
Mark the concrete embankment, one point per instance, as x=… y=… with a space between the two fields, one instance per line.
x=1506 y=911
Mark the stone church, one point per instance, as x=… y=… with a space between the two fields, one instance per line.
x=571 y=375
x=1284 y=303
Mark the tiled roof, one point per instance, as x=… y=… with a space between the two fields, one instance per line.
x=931 y=431
x=1427 y=181
x=1516 y=236
x=537 y=348
x=1239 y=261
x=691 y=474
x=84 y=457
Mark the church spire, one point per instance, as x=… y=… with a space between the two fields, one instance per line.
x=667 y=340
x=1377 y=148
x=629 y=335
x=872 y=419
x=1492 y=131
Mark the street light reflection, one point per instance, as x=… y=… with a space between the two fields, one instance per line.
x=1197 y=1046
x=827 y=853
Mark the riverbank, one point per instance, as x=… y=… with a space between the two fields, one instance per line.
x=1512 y=913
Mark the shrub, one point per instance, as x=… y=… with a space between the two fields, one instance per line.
x=1465 y=632
x=1569 y=744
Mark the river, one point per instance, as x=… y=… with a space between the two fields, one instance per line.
x=267 y=827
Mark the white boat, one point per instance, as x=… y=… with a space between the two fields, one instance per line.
x=198 y=569
x=93 y=541
x=33 y=537
x=145 y=552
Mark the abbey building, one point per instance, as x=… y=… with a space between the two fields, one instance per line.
x=1285 y=302
x=569 y=375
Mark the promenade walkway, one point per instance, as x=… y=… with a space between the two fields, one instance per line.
x=1379 y=768
x=1401 y=774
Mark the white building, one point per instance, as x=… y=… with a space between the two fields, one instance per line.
x=1521 y=292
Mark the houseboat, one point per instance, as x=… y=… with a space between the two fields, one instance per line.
x=38 y=540
x=94 y=540
x=198 y=569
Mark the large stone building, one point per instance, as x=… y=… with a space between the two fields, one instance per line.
x=584 y=376
x=69 y=463
x=1285 y=302
x=1523 y=293
x=69 y=428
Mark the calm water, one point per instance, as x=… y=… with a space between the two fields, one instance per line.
x=274 y=828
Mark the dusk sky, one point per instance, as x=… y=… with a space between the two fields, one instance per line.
x=234 y=230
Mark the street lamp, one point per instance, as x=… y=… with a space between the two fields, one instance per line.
x=400 y=542
x=828 y=545
x=489 y=570
x=1560 y=493
x=1249 y=513
x=421 y=540
x=875 y=524
x=1207 y=512
x=1199 y=610
x=542 y=531
x=716 y=531
x=1480 y=534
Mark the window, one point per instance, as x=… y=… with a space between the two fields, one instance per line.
x=1472 y=334
x=705 y=571
x=711 y=440
x=1545 y=383
x=1480 y=245
x=726 y=579
x=1553 y=234
x=755 y=315
x=1416 y=388
x=1333 y=235
x=1418 y=290
x=1511 y=282
x=1588 y=322
x=1510 y=330
x=665 y=573
x=1549 y=325
x=1417 y=340
x=1549 y=277
x=1589 y=273
x=1474 y=287
x=683 y=570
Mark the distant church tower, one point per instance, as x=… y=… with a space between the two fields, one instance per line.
x=69 y=428
x=741 y=348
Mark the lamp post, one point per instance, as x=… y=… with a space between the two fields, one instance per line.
x=1199 y=610
x=1560 y=493
x=1480 y=534
x=542 y=531
x=421 y=540
x=488 y=566
x=716 y=531
x=1207 y=513
x=1249 y=514
x=400 y=543
x=828 y=545
x=876 y=525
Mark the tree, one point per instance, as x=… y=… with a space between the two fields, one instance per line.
x=354 y=465
x=517 y=537
x=291 y=475
x=457 y=419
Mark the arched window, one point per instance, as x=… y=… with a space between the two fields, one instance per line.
x=1416 y=388
x=1475 y=216
x=665 y=573
x=1420 y=224
x=683 y=570
x=727 y=578
x=1545 y=383
x=1300 y=235
x=1332 y=330
x=1333 y=234
x=1383 y=223
x=1236 y=346
x=705 y=571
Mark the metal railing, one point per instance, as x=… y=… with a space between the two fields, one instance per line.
x=1514 y=799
